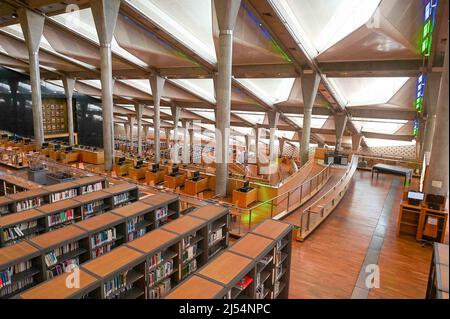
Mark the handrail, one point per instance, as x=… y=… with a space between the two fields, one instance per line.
x=333 y=201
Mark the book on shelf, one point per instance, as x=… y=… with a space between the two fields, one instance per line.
x=97 y=252
x=105 y=236
x=70 y=193
x=160 y=290
x=63 y=267
x=215 y=236
x=121 y=198
x=189 y=268
x=91 y=188
x=259 y=294
x=134 y=233
x=61 y=217
x=160 y=272
x=51 y=258
x=28 y=204
x=161 y=212
x=92 y=208
x=188 y=240
x=189 y=252
x=244 y=282
x=116 y=286
x=8 y=285
x=18 y=231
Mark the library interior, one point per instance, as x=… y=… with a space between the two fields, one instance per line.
x=224 y=149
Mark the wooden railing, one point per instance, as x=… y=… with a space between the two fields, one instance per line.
x=312 y=216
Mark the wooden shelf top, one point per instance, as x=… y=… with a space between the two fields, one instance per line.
x=58 y=237
x=56 y=288
x=112 y=262
x=132 y=209
x=60 y=187
x=120 y=188
x=19 y=181
x=10 y=254
x=28 y=194
x=227 y=267
x=271 y=228
x=153 y=240
x=184 y=225
x=159 y=199
x=5 y=200
x=58 y=206
x=90 y=197
x=209 y=212
x=196 y=288
x=22 y=217
x=98 y=222
x=252 y=245
x=89 y=180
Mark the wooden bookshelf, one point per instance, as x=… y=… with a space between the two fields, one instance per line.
x=6 y=205
x=10 y=184
x=29 y=199
x=18 y=226
x=134 y=257
x=168 y=206
x=75 y=243
x=122 y=194
x=57 y=288
x=94 y=203
x=125 y=265
x=60 y=214
x=62 y=191
x=91 y=183
x=27 y=275
x=139 y=219
x=259 y=262
x=106 y=232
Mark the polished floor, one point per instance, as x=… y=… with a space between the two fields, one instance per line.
x=328 y=263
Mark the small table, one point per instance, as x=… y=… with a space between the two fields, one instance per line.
x=192 y=187
x=396 y=170
x=244 y=199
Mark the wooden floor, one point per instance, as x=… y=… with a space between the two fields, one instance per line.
x=328 y=263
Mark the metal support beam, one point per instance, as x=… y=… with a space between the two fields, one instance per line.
x=105 y=13
x=157 y=85
x=69 y=85
x=32 y=27
x=356 y=142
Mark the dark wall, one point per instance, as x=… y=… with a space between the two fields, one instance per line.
x=16 y=114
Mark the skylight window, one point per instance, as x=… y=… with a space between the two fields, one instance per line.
x=317 y=121
x=319 y=24
x=201 y=87
x=367 y=91
x=375 y=142
x=384 y=126
x=271 y=90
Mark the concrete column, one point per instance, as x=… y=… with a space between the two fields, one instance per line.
x=273 y=123
x=126 y=128
x=340 y=122
x=310 y=84
x=176 y=118
x=139 y=108
x=157 y=85
x=226 y=11
x=130 y=137
x=186 y=153
x=257 y=135
x=146 y=130
x=356 y=142
x=437 y=180
x=32 y=26
x=432 y=93
x=282 y=142
x=191 y=144
x=69 y=85
x=105 y=13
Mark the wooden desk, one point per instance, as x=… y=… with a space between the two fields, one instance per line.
x=155 y=178
x=92 y=157
x=55 y=154
x=412 y=220
x=121 y=170
x=174 y=181
x=438 y=280
x=194 y=187
x=70 y=157
x=244 y=199
x=136 y=173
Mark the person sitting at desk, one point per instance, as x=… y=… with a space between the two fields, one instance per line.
x=155 y=168
x=139 y=164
